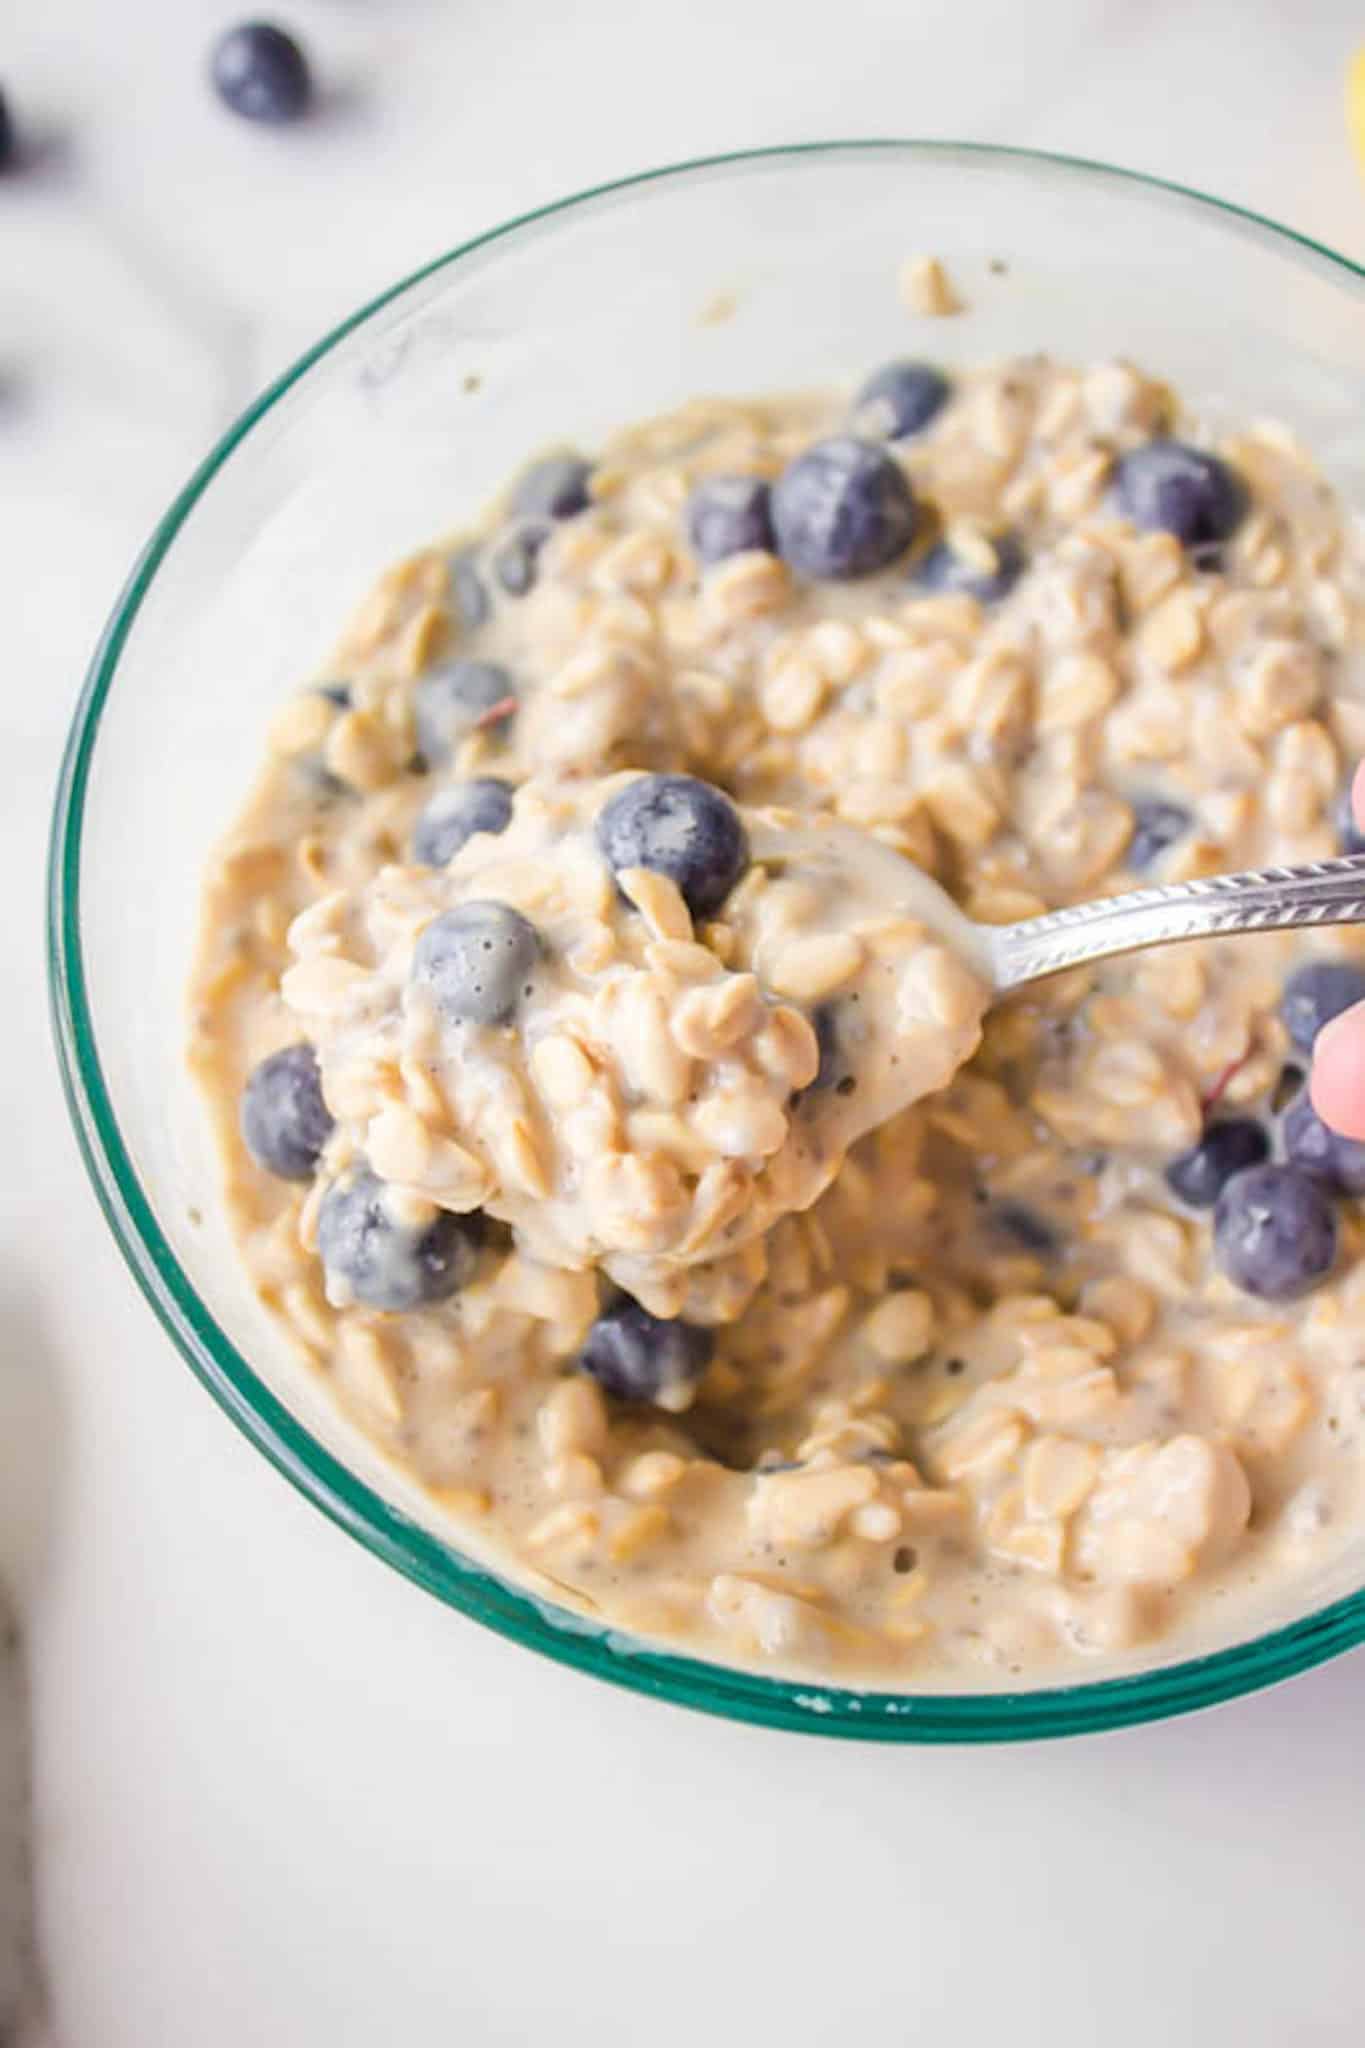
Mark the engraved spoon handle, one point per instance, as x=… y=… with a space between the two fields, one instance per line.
x=1263 y=900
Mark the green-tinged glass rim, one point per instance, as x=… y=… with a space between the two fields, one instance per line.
x=810 y=1705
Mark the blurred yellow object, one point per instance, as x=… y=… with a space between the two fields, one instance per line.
x=1355 y=104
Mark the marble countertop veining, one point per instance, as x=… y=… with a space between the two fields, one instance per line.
x=280 y=1796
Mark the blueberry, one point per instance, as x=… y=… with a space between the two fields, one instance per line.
x=284 y=1120
x=468 y=589
x=556 y=488
x=261 y=72
x=374 y=1256
x=1318 y=1149
x=1316 y=993
x=9 y=142
x=640 y=1357
x=455 y=814
x=336 y=693
x=1156 y=825
x=1274 y=1231
x=1199 y=1175
x=516 y=558
x=842 y=509
x=947 y=571
x=476 y=959
x=900 y=399
x=1169 y=487
x=729 y=515
x=1350 y=838
x=456 y=698
x=681 y=828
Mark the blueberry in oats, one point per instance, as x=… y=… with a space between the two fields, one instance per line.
x=515 y=560
x=374 y=1254
x=842 y=510
x=1229 y=1146
x=680 y=827
x=900 y=399
x=1318 y=1149
x=1274 y=1231
x=455 y=700
x=1169 y=487
x=729 y=515
x=555 y=488
x=985 y=567
x=1157 y=825
x=285 y=1122
x=635 y=1356
x=469 y=589
x=477 y=960
x=1317 y=992
x=456 y=813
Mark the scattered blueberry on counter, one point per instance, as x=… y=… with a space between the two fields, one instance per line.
x=1318 y=1149
x=1199 y=1176
x=554 y=488
x=452 y=700
x=261 y=73
x=1274 y=1231
x=9 y=147
x=284 y=1121
x=947 y=572
x=1169 y=487
x=455 y=814
x=1156 y=825
x=730 y=515
x=1315 y=994
x=639 y=1357
x=899 y=399
x=679 y=827
x=842 y=509
x=476 y=960
x=384 y=1262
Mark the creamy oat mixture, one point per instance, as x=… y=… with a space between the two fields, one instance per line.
x=614 y=1116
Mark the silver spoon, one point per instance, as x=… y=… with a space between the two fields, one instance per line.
x=1322 y=892
x=1258 y=900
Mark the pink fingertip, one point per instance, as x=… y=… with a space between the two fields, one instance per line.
x=1337 y=1083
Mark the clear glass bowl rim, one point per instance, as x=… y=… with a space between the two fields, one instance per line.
x=809 y=1706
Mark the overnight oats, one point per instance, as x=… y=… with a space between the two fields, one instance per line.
x=612 y=1109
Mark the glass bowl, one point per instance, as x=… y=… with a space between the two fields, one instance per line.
x=770 y=269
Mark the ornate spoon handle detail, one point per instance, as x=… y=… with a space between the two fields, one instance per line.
x=1267 y=899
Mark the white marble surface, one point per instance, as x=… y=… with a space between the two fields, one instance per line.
x=281 y=1796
